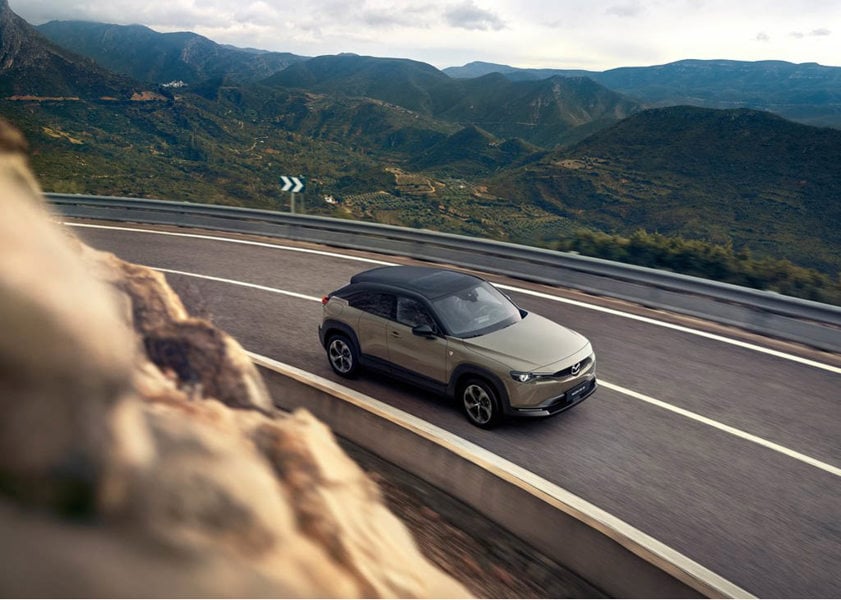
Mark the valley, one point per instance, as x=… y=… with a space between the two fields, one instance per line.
x=555 y=160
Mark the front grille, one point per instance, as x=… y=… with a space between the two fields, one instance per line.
x=583 y=366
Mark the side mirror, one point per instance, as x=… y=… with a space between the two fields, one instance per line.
x=423 y=331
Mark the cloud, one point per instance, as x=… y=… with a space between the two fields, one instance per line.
x=175 y=14
x=822 y=32
x=469 y=16
x=404 y=15
x=627 y=9
x=548 y=33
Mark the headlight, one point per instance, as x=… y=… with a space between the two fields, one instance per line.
x=523 y=377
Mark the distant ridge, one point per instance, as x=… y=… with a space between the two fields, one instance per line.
x=808 y=93
x=403 y=82
x=543 y=112
x=547 y=112
x=32 y=66
x=146 y=55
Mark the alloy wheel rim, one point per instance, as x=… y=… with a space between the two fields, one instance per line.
x=340 y=356
x=478 y=404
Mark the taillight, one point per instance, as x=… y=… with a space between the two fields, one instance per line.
x=325 y=299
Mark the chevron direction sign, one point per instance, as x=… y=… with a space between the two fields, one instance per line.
x=292 y=184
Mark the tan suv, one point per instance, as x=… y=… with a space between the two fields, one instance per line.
x=458 y=335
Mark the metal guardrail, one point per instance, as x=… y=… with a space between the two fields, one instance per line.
x=811 y=323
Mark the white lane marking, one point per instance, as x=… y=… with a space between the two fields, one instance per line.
x=239 y=283
x=611 y=386
x=726 y=428
x=610 y=311
x=681 y=328
x=232 y=241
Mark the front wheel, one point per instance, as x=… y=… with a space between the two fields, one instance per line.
x=480 y=404
x=342 y=356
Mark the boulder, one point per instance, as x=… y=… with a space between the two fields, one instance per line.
x=141 y=454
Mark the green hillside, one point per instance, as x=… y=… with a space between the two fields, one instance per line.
x=725 y=176
x=551 y=112
x=548 y=112
x=402 y=82
x=171 y=150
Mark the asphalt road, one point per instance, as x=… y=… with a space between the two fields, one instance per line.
x=728 y=454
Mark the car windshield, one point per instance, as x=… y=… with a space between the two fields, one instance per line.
x=477 y=310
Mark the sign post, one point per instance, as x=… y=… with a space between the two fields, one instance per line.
x=293 y=185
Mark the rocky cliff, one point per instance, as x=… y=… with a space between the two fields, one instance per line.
x=140 y=453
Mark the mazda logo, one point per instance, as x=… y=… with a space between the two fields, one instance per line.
x=576 y=368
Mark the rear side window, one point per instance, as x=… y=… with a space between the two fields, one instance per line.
x=376 y=303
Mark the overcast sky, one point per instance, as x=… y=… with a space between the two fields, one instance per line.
x=587 y=34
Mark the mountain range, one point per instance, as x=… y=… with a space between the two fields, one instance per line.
x=545 y=112
x=808 y=93
x=148 y=56
x=513 y=154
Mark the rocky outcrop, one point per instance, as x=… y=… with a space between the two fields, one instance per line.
x=140 y=453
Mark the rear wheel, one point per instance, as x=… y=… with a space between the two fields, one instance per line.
x=342 y=355
x=480 y=403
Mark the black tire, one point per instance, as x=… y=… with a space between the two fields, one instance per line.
x=342 y=355
x=480 y=403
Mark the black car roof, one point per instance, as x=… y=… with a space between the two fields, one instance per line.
x=426 y=281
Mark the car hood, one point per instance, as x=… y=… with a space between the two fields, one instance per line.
x=532 y=344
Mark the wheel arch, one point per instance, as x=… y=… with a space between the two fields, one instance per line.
x=331 y=326
x=464 y=372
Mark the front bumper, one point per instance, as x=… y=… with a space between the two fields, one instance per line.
x=573 y=396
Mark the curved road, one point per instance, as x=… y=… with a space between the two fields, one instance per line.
x=724 y=446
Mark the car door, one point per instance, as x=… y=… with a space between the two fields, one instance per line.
x=424 y=356
x=376 y=313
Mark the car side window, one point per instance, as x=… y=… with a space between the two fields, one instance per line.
x=413 y=313
x=376 y=303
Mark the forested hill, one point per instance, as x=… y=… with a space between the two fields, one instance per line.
x=738 y=177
